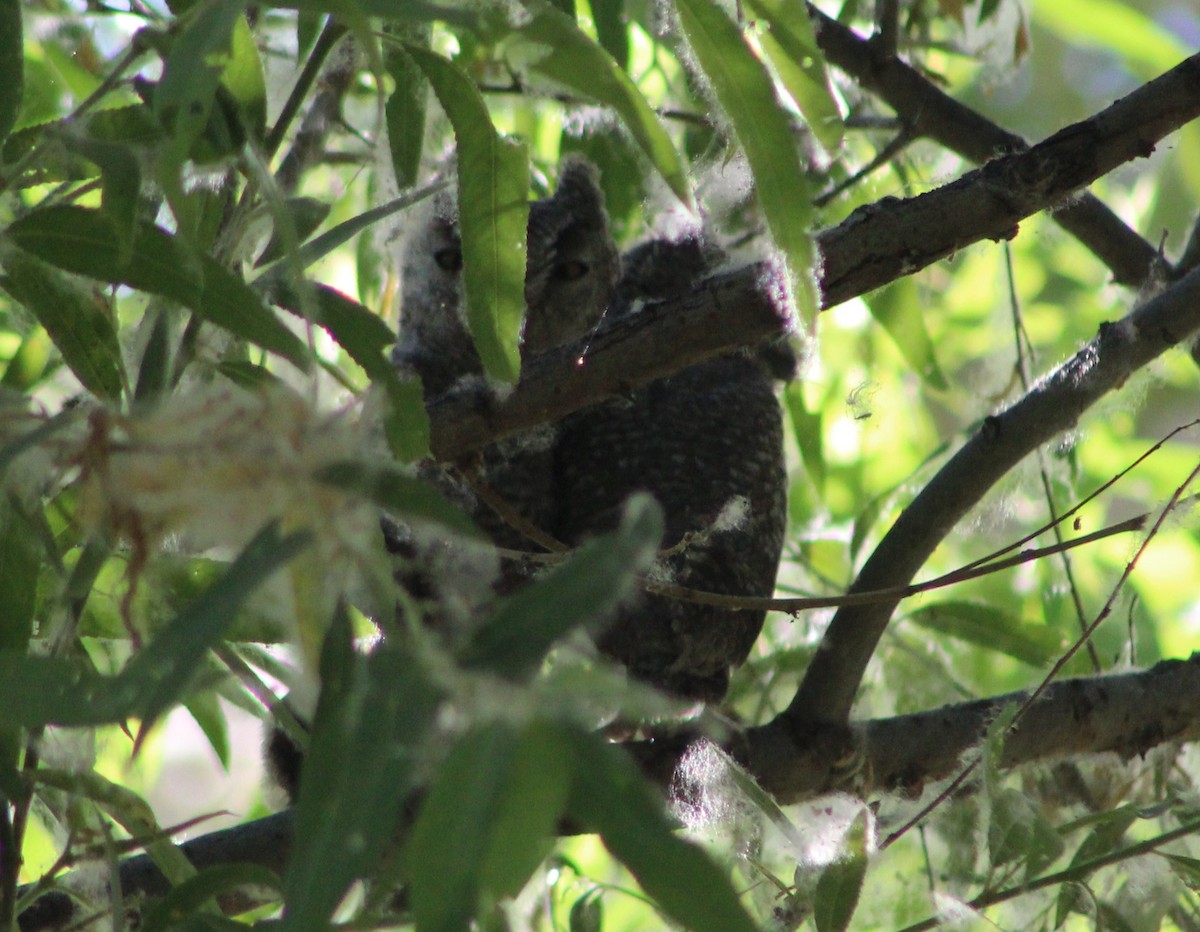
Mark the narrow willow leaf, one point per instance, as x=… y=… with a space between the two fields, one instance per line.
x=76 y=321
x=154 y=372
x=493 y=209
x=487 y=821
x=183 y=99
x=191 y=896
x=585 y=590
x=305 y=214
x=162 y=671
x=901 y=312
x=610 y=795
x=83 y=241
x=406 y=106
x=552 y=43
x=127 y=809
x=244 y=80
x=807 y=426
x=993 y=628
x=800 y=64
x=375 y=712
x=840 y=884
x=401 y=494
x=12 y=65
x=20 y=559
x=746 y=94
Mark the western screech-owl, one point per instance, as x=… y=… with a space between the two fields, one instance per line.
x=707 y=442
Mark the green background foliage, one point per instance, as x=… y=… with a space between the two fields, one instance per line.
x=198 y=424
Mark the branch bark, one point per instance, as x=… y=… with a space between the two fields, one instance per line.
x=930 y=112
x=1053 y=406
x=1126 y=713
x=880 y=243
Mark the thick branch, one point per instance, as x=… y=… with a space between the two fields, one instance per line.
x=1050 y=408
x=876 y=245
x=1126 y=713
x=930 y=112
x=728 y=311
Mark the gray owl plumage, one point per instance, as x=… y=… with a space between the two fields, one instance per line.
x=705 y=442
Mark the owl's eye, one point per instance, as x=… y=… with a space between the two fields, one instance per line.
x=571 y=270
x=449 y=259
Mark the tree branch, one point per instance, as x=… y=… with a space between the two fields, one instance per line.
x=930 y=112
x=1053 y=406
x=879 y=243
x=1127 y=714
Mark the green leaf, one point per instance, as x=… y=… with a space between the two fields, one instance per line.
x=76 y=321
x=746 y=93
x=373 y=714
x=243 y=78
x=789 y=42
x=901 y=312
x=20 y=559
x=1117 y=29
x=487 y=821
x=406 y=106
x=552 y=43
x=401 y=494
x=161 y=671
x=493 y=209
x=610 y=795
x=83 y=241
x=586 y=590
x=190 y=897
x=993 y=628
x=840 y=884
x=12 y=65
x=192 y=70
x=807 y=426
x=1017 y=830
x=154 y=372
x=305 y=214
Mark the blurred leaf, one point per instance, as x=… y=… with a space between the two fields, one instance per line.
x=840 y=884
x=190 y=897
x=243 y=79
x=1104 y=838
x=789 y=42
x=83 y=241
x=127 y=809
x=19 y=562
x=192 y=68
x=305 y=214
x=611 y=29
x=487 y=821
x=12 y=65
x=554 y=45
x=1119 y=29
x=76 y=321
x=807 y=426
x=587 y=913
x=162 y=670
x=374 y=711
x=401 y=494
x=1017 y=830
x=747 y=96
x=406 y=106
x=154 y=372
x=493 y=209
x=992 y=628
x=610 y=795
x=205 y=708
x=901 y=312
x=586 y=590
